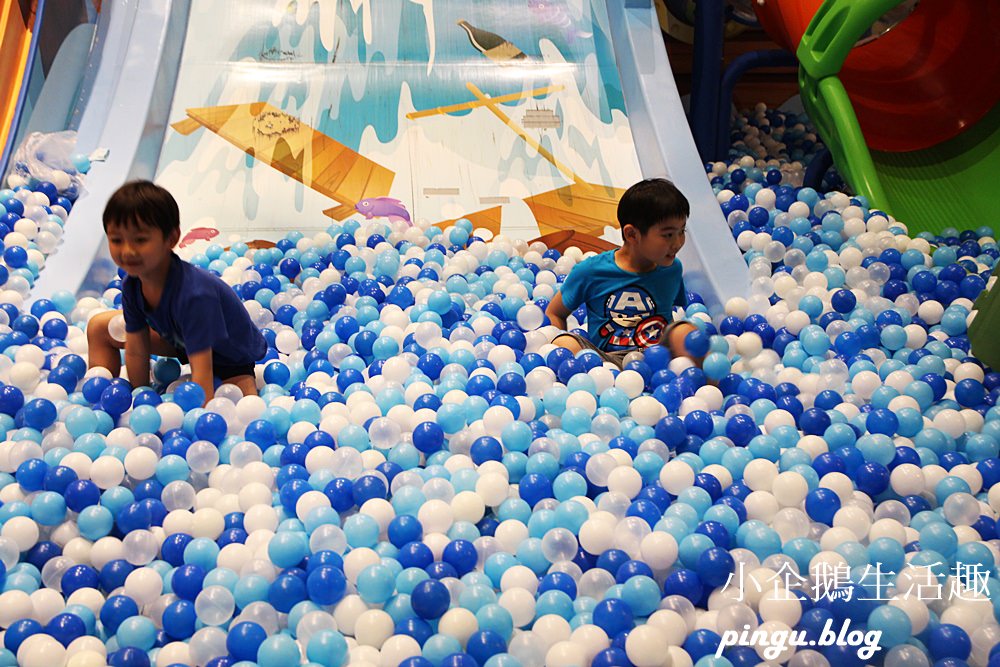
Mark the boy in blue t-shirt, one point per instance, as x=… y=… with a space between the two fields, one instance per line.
x=630 y=293
x=171 y=308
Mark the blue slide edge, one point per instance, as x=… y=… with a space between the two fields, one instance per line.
x=127 y=114
x=713 y=264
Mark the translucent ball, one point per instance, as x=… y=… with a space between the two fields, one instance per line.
x=559 y=545
x=384 y=433
x=905 y=655
x=140 y=547
x=214 y=605
x=961 y=509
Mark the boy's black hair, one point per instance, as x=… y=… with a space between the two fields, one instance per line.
x=145 y=203
x=651 y=201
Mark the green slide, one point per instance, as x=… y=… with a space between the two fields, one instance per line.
x=948 y=185
x=929 y=190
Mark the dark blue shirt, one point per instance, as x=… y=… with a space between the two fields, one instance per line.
x=197 y=312
x=624 y=309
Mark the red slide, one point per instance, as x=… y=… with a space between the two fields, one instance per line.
x=924 y=81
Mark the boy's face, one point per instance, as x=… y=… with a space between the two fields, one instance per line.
x=141 y=250
x=661 y=243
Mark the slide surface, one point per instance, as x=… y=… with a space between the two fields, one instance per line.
x=526 y=117
x=948 y=185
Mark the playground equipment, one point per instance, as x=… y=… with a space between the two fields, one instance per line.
x=135 y=142
x=677 y=18
x=712 y=95
x=903 y=95
x=44 y=52
x=17 y=25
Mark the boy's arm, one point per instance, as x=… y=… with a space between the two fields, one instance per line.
x=137 y=351
x=678 y=331
x=558 y=312
x=201 y=372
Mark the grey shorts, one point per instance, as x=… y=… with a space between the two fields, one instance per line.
x=616 y=357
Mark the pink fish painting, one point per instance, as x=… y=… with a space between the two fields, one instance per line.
x=383 y=207
x=555 y=14
x=198 y=234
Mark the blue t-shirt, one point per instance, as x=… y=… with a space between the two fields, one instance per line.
x=196 y=312
x=624 y=309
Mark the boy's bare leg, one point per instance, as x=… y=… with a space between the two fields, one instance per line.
x=246 y=383
x=567 y=341
x=103 y=350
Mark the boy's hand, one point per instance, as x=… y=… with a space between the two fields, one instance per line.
x=675 y=340
x=201 y=372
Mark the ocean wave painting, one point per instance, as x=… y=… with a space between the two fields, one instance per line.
x=286 y=114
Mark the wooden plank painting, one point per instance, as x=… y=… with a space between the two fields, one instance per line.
x=295 y=149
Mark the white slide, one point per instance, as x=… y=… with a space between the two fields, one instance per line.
x=153 y=66
x=713 y=264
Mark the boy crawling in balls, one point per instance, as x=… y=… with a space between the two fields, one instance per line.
x=171 y=308
x=630 y=293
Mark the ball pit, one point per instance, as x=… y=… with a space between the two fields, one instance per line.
x=424 y=480
x=31 y=227
x=771 y=147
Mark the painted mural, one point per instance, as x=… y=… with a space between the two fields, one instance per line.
x=288 y=115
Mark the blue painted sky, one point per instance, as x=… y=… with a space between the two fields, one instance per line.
x=399 y=53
